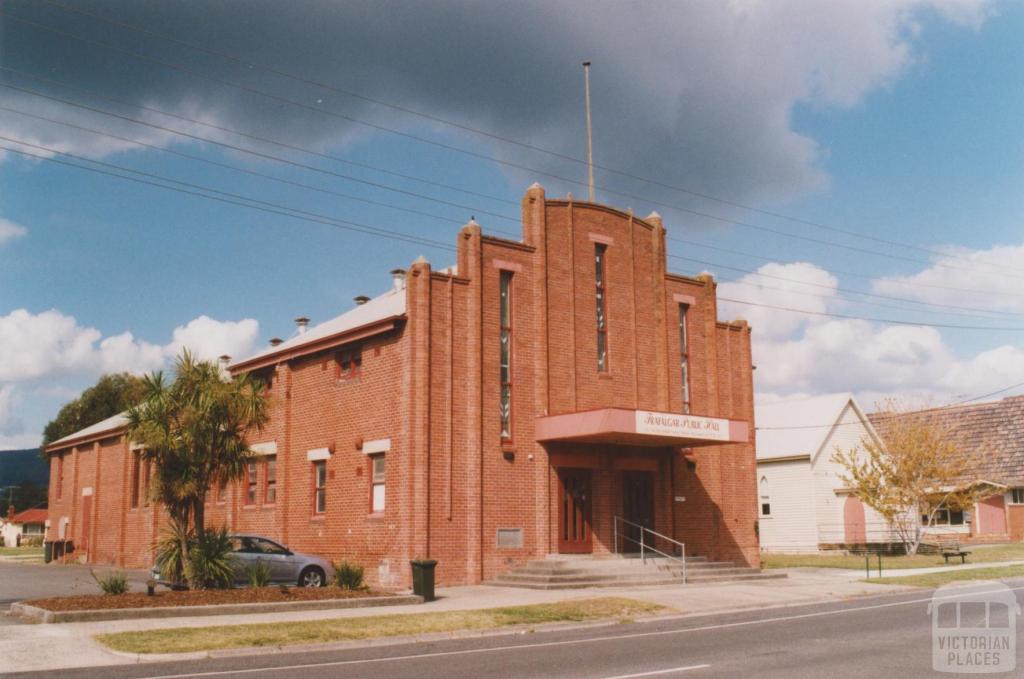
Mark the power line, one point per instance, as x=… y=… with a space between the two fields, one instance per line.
x=829 y=287
x=247 y=135
x=858 y=301
x=232 y=199
x=881 y=418
x=248 y=63
x=450 y=147
x=259 y=154
x=234 y=167
x=916 y=284
x=445 y=219
x=889 y=321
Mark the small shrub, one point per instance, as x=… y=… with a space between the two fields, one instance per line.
x=258 y=574
x=113 y=584
x=34 y=541
x=210 y=560
x=348 y=576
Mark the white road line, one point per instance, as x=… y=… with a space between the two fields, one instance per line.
x=572 y=642
x=656 y=672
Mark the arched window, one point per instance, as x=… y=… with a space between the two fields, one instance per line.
x=766 y=505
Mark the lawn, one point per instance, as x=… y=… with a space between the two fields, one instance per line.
x=22 y=551
x=347 y=629
x=941 y=578
x=979 y=554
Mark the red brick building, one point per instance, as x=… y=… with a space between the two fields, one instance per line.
x=484 y=414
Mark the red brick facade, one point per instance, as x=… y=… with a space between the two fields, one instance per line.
x=428 y=391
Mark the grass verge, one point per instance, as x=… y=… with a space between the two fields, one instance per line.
x=348 y=629
x=943 y=577
x=979 y=554
x=22 y=551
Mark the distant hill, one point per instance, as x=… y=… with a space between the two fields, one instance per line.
x=18 y=466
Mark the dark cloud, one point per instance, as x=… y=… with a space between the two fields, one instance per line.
x=696 y=94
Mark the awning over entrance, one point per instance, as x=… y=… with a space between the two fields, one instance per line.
x=641 y=427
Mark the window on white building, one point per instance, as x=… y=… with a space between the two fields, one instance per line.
x=766 y=505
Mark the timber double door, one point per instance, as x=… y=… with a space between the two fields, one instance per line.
x=637 y=508
x=575 y=535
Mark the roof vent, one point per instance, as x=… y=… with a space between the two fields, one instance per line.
x=398 y=278
x=274 y=341
x=302 y=323
x=361 y=300
x=224 y=361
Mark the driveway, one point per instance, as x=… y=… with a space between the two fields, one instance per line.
x=33 y=581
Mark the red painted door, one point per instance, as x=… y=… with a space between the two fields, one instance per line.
x=83 y=539
x=853 y=521
x=574 y=532
x=1016 y=519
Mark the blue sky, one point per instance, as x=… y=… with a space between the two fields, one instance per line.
x=897 y=121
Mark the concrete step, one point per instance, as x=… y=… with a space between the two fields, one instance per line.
x=572 y=571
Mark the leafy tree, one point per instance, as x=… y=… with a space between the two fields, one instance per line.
x=111 y=395
x=914 y=472
x=194 y=429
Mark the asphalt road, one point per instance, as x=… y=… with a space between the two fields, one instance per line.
x=886 y=636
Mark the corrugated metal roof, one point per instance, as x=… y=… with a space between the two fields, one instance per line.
x=388 y=305
x=797 y=427
x=110 y=424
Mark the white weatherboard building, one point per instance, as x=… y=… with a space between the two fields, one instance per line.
x=804 y=505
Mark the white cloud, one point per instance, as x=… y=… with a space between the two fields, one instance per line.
x=209 y=338
x=953 y=279
x=9 y=230
x=797 y=354
x=34 y=346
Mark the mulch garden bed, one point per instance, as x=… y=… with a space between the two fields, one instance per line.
x=248 y=595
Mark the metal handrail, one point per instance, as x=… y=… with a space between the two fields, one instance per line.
x=645 y=547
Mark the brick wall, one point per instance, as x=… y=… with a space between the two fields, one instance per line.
x=431 y=385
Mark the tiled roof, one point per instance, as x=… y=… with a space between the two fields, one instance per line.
x=992 y=433
x=30 y=516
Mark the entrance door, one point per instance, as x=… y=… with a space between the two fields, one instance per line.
x=574 y=534
x=637 y=508
x=1016 y=528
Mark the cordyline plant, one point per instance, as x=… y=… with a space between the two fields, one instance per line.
x=194 y=430
x=916 y=470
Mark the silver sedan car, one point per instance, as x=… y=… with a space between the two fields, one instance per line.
x=284 y=565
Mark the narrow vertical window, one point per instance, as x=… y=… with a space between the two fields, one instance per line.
x=378 y=467
x=147 y=475
x=684 y=358
x=506 y=354
x=136 y=476
x=766 y=503
x=602 y=306
x=319 y=487
x=270 y=479
x=60 y=476
x=251 y=478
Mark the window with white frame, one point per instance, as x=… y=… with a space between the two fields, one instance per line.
x=766 y=505
x=1017 y=496
x=378 y=469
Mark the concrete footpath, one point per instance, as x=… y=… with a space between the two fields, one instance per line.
x=25 y=647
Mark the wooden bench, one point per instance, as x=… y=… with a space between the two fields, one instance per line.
x=950 y=549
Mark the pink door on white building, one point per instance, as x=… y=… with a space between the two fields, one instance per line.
x=854 y=527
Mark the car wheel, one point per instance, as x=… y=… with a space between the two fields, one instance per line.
x=312 y=577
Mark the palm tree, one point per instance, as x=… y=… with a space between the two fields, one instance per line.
x=194 y=430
